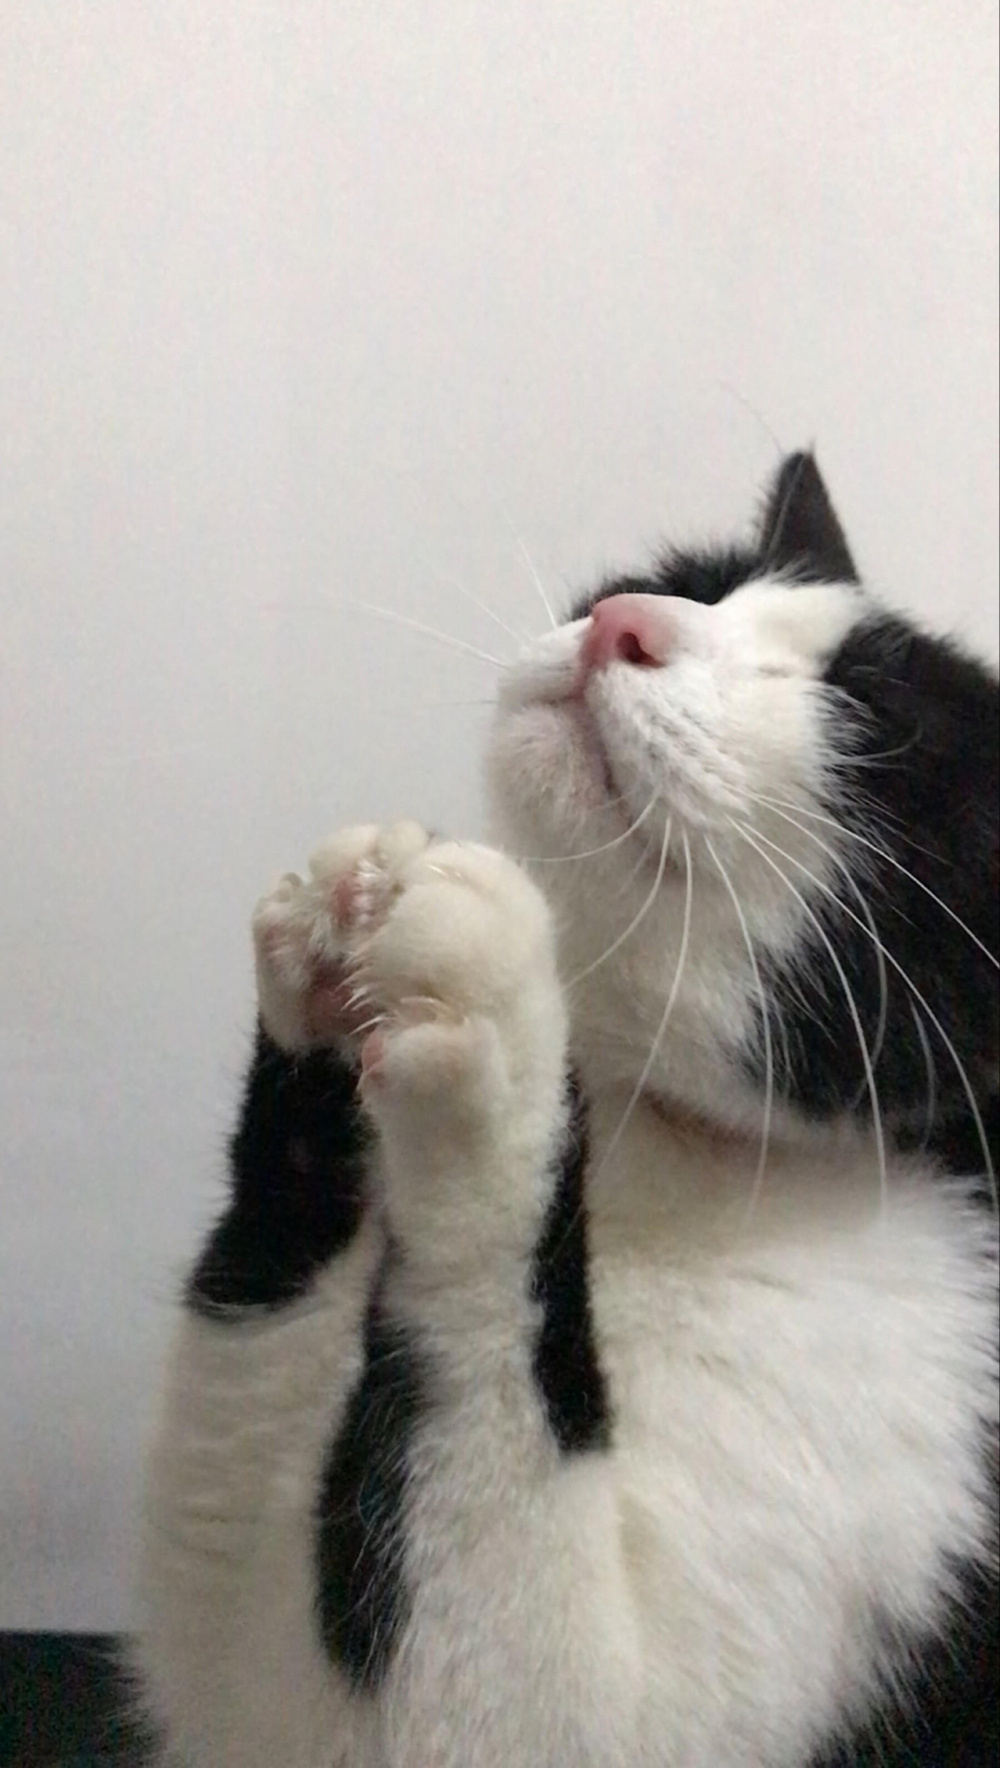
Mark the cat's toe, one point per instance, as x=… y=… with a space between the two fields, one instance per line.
x=306 y=933
x=467 y=928
x=282 y=926
x=418 y=1054
x=359 y=872
x=465 y=945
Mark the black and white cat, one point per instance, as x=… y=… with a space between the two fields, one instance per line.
x=595 y=1363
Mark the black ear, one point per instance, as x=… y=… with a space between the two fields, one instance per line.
x=800 y=532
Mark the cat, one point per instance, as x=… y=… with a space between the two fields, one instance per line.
x=594 y=1365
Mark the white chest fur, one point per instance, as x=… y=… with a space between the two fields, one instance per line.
x=799 y=1399
x=798 y=1402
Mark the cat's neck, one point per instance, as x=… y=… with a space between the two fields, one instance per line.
x=666 y=1175
x=688 y=1125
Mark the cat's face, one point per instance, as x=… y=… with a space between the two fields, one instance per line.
x=803 y=775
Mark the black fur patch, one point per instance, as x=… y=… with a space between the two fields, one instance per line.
x=947 y=1712
x=956 y=1143
x=566 y=1366
x=801 y=533
x=706 y=577
x=297 y=1161
x=922 y=721
x=800 y=536
x=361 y=1591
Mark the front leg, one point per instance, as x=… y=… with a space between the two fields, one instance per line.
x=300 y=1155
x=467 y=1486
x=482 y=1128
x=465 y=1071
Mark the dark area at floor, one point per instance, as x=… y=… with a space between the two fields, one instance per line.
x=64 y=1704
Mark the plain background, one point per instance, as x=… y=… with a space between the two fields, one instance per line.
x=308 y=303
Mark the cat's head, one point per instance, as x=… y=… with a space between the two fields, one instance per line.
x=809 y=887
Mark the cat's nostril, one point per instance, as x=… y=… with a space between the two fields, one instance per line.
x=629 y=629
x=630 y=649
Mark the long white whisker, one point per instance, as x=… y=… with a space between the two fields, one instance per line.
x=633 y=924
x=875 y=757
x=848 y=995
x=872 y=809
x=786 y=1049
x=883 y=980
x=977 y=1116
x=537 y=581
x=765 y=1026
x=931 y=1066
x=532 y=568
x=640 y=1084
x=853 y=835
x=786 y=504
x=441 y=701
x=561 y=859
x=519 y=638
x=443 y=638
x=878 y=1041
x=646 y=856
x=761 y=422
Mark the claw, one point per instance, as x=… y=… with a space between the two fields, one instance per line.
x=426 y=1009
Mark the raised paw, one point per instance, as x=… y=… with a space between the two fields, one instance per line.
x=306 y=932
x=464 y=1065
x=457 y=968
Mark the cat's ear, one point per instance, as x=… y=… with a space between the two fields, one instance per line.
x=801 y=532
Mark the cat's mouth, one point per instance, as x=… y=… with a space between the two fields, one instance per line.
x=561 y=779
x=596 y=751
x=613 y=796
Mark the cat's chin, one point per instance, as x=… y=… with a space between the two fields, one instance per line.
x=552 y=784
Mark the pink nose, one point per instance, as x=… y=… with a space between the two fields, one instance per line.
x=629 y=628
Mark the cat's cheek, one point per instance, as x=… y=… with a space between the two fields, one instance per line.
x=782 y=727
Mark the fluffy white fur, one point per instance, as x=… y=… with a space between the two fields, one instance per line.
x=797 y=1386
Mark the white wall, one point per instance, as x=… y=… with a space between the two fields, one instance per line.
x=304 y=301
